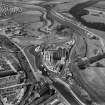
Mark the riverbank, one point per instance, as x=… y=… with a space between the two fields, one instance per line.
x=78 y=11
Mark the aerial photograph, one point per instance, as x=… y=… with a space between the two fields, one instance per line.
x=52 y=52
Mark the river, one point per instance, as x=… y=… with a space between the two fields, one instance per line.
x=79 y=10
